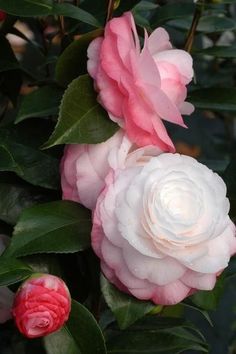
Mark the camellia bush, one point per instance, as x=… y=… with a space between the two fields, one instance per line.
x=117 y=174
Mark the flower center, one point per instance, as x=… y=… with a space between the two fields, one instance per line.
x=179 y=202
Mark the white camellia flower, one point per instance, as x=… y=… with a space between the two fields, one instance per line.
x=161 y=228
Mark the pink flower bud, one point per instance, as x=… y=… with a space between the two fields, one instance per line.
x=41 y=305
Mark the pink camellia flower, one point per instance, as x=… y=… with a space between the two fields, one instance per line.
x=41 y=305
x=84 y=167
x=138 y=87
x=161 y=228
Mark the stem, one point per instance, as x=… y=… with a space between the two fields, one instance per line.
x=197 y=15
x=61 y=22
x=110 y=9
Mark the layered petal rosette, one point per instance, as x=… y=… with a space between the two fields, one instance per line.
x=161 y=228
x=41 y=305
x=84 y=167
x=140 y=87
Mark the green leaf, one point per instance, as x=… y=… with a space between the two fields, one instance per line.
x=13 y=271
x=152 y=338
x=170 y=12
x=73 y=61
x=204 y=313
x=126 y=308
x=34 y=166
x=214 y=98
x=207 y=24
x=81 y=119
x=8 y=60
x=14 y=199
x=125 y=5
x=219 y=51
x=10 y=75
x=55 y=227
x=209 y=300
x=229 y=178
x=30 y=8
x=80 y=335
x=40 y=103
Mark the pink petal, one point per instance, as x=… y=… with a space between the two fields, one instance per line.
x=68 y=172
x=147 y=69
x=181 y=59
x=170 y=294
x=109 y=95
x=158 y=271
x=186 y=108
x=199 y=280
x=159 y=40
x=93 y=56
x=162 y=105
x=175 y=91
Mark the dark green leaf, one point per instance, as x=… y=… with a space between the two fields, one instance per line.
x=125 y=5
x=196 y=308
x=12 y=271
x=126 y=308
x=29 y=8
x=207 y=24
x=10 y=75
x=8 y=60
x=14 y=199
x=209 y=300
x=59 y=227
x=151 y=338
x=80 y=335
x=229 y=177
x=214 y=98
x=81 y=119
x=34 y=166
x=170 y=12
x=40 y=103
x=219 y=51
x=73 y=61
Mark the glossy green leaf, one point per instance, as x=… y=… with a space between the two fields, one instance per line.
x=28 y=162
x=190 y=305
x=170 y=12
x=209 y=300
x=40 y=103
x=14 y=198
x=219 y=51
x=126 y=309
x=73 y=61
x=10 y=75
x=125 y=5
x=81 y=119
x=214 y=98
x=56 y=227
x=80 y=335
x=8 y=60
x=30 y=8
x=207 y=24
x=154 y=338
x=12 y=271
x=229 y=178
